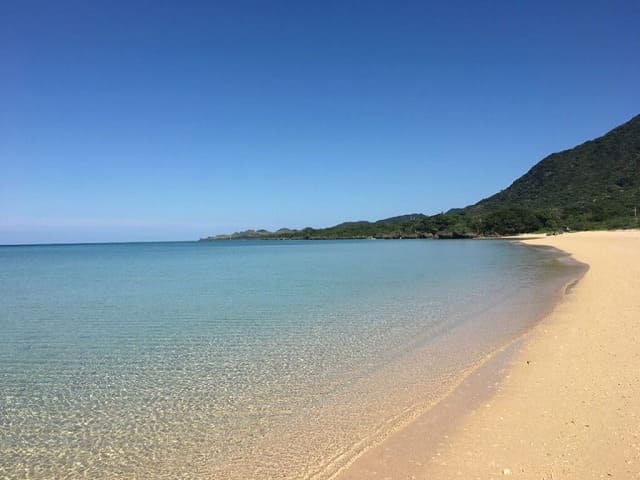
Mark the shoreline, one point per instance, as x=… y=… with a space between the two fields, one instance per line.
x=467 y=389
x=452 y=439
x=420 y=378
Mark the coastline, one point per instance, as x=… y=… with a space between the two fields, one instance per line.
x=388 y=400
x=556 y=403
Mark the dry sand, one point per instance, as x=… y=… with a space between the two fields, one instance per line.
x=567 y=405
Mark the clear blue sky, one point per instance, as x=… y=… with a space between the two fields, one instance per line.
x=173 y=120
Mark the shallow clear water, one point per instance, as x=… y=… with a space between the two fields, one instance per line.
x=242 y=359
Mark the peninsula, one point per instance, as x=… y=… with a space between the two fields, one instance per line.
x=594 y=186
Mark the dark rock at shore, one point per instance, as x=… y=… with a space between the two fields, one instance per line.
x=453 y=235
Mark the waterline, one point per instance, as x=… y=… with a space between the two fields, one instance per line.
x=244 y=358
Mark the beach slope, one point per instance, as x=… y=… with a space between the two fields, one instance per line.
x=568 y=405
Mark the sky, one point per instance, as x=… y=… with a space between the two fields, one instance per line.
x=136 y=120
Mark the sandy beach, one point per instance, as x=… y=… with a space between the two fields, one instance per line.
x=564 y=402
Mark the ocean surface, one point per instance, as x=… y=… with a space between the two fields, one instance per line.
x=241 y=359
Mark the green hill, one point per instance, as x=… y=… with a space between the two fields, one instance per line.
x=595 y=185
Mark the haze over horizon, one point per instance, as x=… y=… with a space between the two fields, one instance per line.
x=133 y=121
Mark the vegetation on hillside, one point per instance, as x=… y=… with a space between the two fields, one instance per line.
x=595 y=185
x=458 y=224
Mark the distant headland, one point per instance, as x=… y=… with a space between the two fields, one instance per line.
x=595 y=185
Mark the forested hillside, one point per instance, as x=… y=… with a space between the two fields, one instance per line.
x=595 y=185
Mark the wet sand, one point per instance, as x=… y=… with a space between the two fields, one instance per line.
x=564 y=404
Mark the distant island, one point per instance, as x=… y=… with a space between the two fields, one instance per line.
x=595 y=185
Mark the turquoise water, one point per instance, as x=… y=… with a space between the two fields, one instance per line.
x=242 y=359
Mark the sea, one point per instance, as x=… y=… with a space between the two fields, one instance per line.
x=245 y=359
